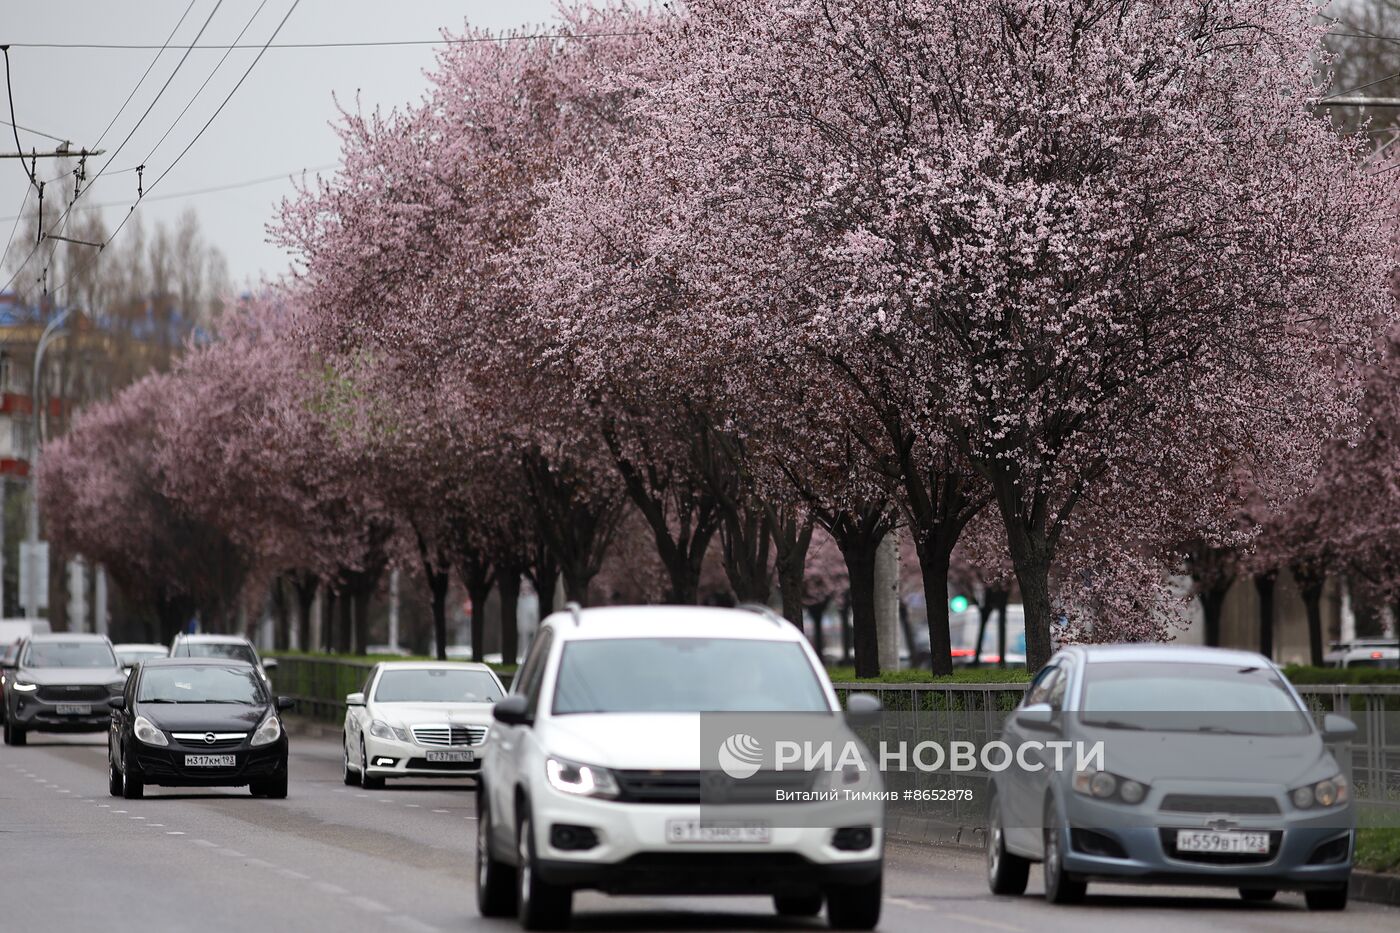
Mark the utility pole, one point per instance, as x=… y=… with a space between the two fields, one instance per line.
x=30 y=586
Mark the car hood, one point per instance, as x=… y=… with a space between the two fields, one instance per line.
x=628 y=741
x=69 y=676
x=203 y=717
x=417 y=714
x=1157 y=756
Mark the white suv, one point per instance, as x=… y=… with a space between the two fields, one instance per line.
x=593 y=772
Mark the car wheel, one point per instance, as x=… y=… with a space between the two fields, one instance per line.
x=133 y=788
x=114 y=777
x=1007 y=873
x=367 y=782
x=349 y=775
x=539 y=904
x=1258 y=895
x=798 y=905
x=1059 y=887
x=495 y=880
x=14 y=735
x=1327 y=898
x=854 y=906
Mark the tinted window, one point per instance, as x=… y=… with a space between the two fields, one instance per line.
x=200 y=685
x=436 y=686
x=69 y=654
x=233 y=652
x=1184 y=697
x=666 y=675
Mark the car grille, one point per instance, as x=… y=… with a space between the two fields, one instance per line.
x=224 y=739
x=86 y=694
x=449 y=735
x=1215 y=803
x=707 y=787
x=1220 y=858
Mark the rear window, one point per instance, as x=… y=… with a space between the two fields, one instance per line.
x=686 y=675
x=231 y=651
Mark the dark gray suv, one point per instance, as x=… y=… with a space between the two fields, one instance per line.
x=60 y=683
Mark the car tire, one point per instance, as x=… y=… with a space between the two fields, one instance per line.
x=798 y=905
x=1007 y=873
x=114 y=777
x=1059 y=887
x=350 y=777
x=133 y=788
x=855 y=906
x=495 y=880
x=539 y=904
x=367 y=782
x=272 y=788
x=1327 y=898
x=14 y=735
x=1258 y=895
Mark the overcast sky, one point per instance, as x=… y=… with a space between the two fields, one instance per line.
x=277 y=123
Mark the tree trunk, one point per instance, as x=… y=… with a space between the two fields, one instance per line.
x=818 y=613
x=1212 y=605
x=345 y=631
x=281 y=614
x=1310 y=583
x=1031 y=553
x=984 y=616
x=360 y=601
x=437 y=572
x=791 y=541
x=575 y=520
x=860 y=566
x=305 y=586
x=934 y=554
x=328 y=617
x=509 y=587
x=745 y=537
x=1001 y=633
x=1264 y=585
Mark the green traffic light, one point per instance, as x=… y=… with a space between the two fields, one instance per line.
x=958 y=603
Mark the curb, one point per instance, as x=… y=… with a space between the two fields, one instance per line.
x=1368 y=886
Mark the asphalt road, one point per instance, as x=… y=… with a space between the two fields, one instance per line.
x=339 y=859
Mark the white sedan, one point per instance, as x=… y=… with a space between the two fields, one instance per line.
x=421 y=719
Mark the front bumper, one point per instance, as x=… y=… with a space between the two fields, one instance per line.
x=633 y=855
x=165 y=765
x=1307 y=850
x=31 y=713
x=410 y=760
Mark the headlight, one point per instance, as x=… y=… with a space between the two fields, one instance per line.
x=147 y=732
x=1327 y=793
x=25 y=688
x=382 y=730
x=1105 y=786
x=585 y=780
x=270 y=731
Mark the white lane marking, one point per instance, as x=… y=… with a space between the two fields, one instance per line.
x=294 y=875
x=442 y=811
x=174 y=832
x=385 y=800
x=156 y=825
x=981 y=922
x=104 y=804
x=118 y=811
x=206 y=843
x=411 y=923
x=136 y=817
x=372 y=906
x=329 y=888
x=907 y=904
x=412 y=806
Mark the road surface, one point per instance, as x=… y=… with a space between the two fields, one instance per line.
x=335 y=858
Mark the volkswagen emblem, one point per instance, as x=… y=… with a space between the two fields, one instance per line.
x=208 y=738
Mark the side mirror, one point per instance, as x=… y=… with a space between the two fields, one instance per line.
x=8 y=664
x=269 y=664
x=354 y=699
x=513 y=711
x=1038 y=716
x=285 y=703
x=117 y=702
x=862 y=708
x=1337 y=728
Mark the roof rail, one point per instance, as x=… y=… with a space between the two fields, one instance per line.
x=576 y=611
x=765 y=611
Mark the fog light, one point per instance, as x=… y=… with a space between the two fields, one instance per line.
x=1303 y=798
x=853 y=838
x=383 y=762
x=1132 y=792
x=572 y=838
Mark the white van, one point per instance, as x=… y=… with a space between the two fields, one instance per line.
x=12 y=630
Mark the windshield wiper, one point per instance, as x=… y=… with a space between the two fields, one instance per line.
x=1114 y=724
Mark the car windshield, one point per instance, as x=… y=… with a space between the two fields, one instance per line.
x=1186 y=697
x=210 y=684
x=436 y=686
x=70 y=654
x=233 y=651
x=686 y=675
x=129 y=658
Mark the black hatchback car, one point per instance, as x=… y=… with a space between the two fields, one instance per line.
x=195 y=722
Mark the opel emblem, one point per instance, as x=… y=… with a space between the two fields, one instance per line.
x=208 y=738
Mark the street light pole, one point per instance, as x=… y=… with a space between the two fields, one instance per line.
x=30 y=587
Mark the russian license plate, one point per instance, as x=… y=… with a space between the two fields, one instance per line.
x=696 y=831
x=440 y=755
x=74 y=709
x=211 y=761
x=1225 y=842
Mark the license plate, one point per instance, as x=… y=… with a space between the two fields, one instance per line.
x=682 y=831
x=1211 y=840
x=211 y=761
x=74 y=709
x=451 y=756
